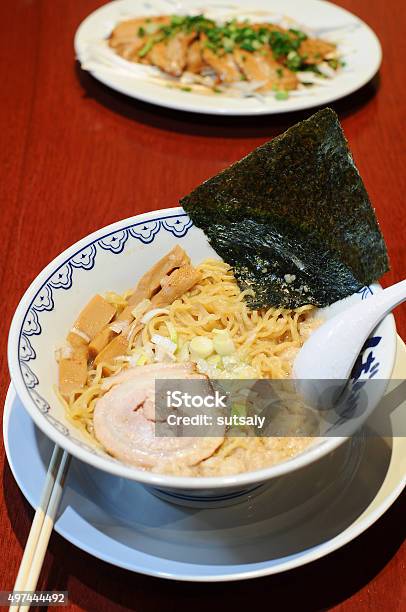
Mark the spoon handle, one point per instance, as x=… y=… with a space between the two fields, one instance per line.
x=363 y=317
x=331 y=351
x=385 y=301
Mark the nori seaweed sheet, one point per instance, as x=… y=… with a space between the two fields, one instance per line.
x=293 y=218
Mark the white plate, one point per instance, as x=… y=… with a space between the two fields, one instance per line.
x=357 y=43
x=301 y=517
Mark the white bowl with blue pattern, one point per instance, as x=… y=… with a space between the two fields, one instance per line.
x=113 y=258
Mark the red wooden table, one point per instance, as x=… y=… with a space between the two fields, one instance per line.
x=75 y=156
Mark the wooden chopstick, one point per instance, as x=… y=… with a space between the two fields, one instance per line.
x=37 y=522
x=42 y=525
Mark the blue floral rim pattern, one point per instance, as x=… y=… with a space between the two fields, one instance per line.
x=62 y=279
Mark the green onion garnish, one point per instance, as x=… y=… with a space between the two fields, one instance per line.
x=146 y=48
x=281 y=95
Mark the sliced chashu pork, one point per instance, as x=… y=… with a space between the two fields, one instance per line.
x=224 y=64
x=316 y=50
x=265 y=69
x=171 y=55
x=124 y=422
x=169 y=370
x=126 y=40
x=194 y=58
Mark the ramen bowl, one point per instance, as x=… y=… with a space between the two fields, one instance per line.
x=114 y=258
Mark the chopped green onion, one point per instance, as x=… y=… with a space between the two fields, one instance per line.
x=211 y=46
x=177 y=20
x=215 y=360
x=223 y=342
x=142 y=360
x=247 y=46
x=293 y=60
x=335 y=63
x=151 y=28
x=228 y=44
x=299 y=34
x=146 y=48
x=201 y=347
x=183 y=353
x=281 y=95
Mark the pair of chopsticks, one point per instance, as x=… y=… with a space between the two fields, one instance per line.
x=42 y=526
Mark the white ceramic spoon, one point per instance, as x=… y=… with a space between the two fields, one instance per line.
x=331 y=350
